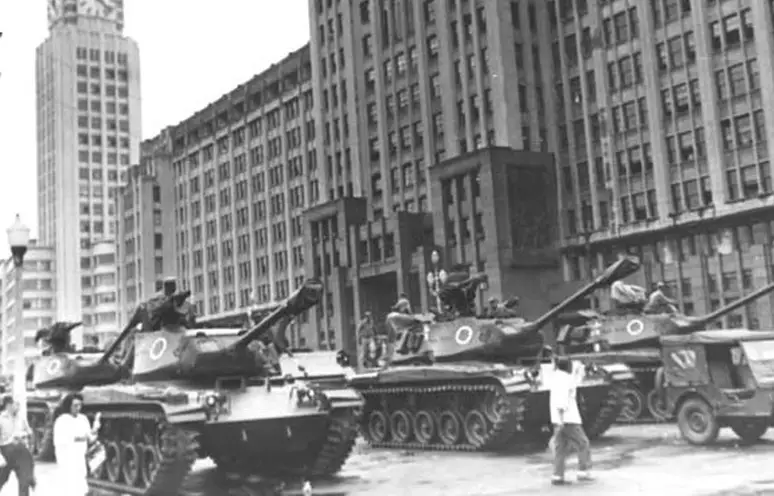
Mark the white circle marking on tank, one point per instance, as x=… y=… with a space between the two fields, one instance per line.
x=158 y=348
x=635 y=327
x=54 y=367
x=464 y=335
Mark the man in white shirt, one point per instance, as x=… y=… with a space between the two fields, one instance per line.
x=568 y=426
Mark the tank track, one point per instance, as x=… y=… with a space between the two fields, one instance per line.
x=41 y=421
x=641 y=388
x=339 y=442
x=175 y=449
x=600 y=421
x=504 y=418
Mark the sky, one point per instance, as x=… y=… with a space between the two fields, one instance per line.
x=190 y=54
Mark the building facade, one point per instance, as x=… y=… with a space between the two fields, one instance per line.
x=88 y=103
x=244 y=169
x=145 y=227
x=440 y=95
x=666 y=126
x=38 y=300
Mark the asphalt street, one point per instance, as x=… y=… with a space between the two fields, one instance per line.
x=648 y=460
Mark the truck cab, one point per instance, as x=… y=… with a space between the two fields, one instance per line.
x=719 y=378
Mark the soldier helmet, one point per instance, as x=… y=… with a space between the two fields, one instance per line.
x=402 y=305
x=493 y=300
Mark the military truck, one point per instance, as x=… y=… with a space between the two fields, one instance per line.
x=720 y=378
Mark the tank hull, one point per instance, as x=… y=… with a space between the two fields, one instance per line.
x=41 y=406
x=152 y=433
x=475 y=406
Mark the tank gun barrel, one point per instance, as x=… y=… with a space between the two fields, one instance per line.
x=302 y=299
x=176 y=299
x=697 y=323
x=622 y=268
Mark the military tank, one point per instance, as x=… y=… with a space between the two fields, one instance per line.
x=41 y=404
x=633 y=338
x=177 y=394
x=475 y=383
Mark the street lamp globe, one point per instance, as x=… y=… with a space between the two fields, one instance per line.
x=19 y=239
x=435 y=257
x=442 y=275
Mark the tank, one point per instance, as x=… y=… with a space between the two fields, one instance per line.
x=475 y=383
x=41 y=404
x=633 y=338
x=177 y=394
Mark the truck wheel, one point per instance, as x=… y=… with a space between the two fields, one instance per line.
x=750 y=430
x=697 y=422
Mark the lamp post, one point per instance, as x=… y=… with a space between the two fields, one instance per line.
x=19 y=239
x=435 y=278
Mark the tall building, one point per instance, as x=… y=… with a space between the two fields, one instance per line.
x=243 y=171
x=88 y=102
x=426 y=110
x=665 y=129
x=146 y=226
x=39 y=300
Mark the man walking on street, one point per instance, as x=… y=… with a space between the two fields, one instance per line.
x=15 y=433
x=568 y=428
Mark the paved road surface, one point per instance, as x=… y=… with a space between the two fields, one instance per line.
x=631 y=460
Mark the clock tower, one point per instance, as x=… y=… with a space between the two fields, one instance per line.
x=70 y=11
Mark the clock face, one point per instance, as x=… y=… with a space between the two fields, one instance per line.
x=105 y=9
x=54 y=10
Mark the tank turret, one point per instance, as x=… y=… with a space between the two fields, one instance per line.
x=600 y=331
x=166 y=348
x=481 y=338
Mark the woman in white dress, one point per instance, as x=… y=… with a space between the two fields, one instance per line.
x=72 y=435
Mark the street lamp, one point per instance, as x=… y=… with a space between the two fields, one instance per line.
x=435 y=278
x=19 y=240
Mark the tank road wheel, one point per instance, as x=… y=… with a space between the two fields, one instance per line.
x=378 y=427
x=496 y=406
x=697 y=422
x=657 y=406
x=449 y=428
x=132 y=465
x=150 y=464
x=476 y=428
x=750 y=430
x=424 y=427
x=401 y=426
x=113 y=461
x=633 y=404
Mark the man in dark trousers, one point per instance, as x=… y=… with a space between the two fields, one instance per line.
x=15 y=433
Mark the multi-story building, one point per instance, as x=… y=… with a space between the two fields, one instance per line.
x=244 y=170
x=145 y=227
x=422 y=107
x=88 y=103
x=666 y=127
x=38 y=300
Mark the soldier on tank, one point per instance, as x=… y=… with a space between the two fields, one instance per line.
x=458 y=293
x=658 y=302
x=502 y=310
x=402 y=319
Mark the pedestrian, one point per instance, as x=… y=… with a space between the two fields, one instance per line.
x=568 y=427
x=15 y=434
x=72 y=435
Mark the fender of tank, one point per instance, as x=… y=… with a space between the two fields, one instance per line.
x=176 y=352
x=499 y=340
x=591 y=331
